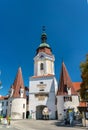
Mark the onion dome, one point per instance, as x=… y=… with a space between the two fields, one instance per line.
x=44 y=47
x=43 y=41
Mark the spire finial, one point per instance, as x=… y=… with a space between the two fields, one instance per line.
x=44 y=36
x=43 y=29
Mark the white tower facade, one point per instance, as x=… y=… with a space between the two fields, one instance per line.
x=43 y=85
x=43 y=64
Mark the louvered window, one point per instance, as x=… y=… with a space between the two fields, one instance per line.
x=41 y=66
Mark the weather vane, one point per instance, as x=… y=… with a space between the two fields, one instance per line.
x=43 y=28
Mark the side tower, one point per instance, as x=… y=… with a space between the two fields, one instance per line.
x=43 y=85
x=67 y=97
x=17 y=99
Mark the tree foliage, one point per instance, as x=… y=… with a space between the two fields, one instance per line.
x=84 y=76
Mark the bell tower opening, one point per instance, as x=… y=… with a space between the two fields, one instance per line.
x=41 y=66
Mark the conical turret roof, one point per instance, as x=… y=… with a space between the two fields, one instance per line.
x=65 y=82
x=18 y=84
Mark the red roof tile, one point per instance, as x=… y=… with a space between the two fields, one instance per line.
x=76 y=85
x=65 y=81
x=48 y=75
x=18 y=84
x=82 y=104
x=45 y=50
x=4 y=97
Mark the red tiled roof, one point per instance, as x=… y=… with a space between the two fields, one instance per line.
x=76 y=85
x=4 y=97
x=82 y=104
x=18 y=84
x=65 y=80
x=48 y=75
x=45 y=50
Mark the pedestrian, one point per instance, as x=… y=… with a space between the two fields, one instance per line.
x=8 y=120
x=71 y=116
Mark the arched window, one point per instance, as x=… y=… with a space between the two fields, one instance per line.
x=41 y=66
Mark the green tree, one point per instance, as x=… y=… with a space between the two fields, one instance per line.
x=84 y=76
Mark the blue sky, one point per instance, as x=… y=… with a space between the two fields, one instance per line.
x=21 y=24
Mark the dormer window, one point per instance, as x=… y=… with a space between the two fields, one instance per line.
x=11 y=92
x=41 y=66
x=21 y=92
x=69 y=91
x=67 y=98
x=65 y=88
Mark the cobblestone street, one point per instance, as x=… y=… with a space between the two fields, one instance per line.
x=42 y=125
x=5 y=127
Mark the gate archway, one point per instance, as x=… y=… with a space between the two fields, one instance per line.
x=39 y=110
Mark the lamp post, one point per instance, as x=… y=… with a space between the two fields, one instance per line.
x=10 y=108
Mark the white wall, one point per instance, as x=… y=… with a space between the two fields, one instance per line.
x=47 y=60
x=49 y=88
x=15 y=108
x=61 y=105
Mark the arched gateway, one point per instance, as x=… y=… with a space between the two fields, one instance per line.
x=39 y=112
